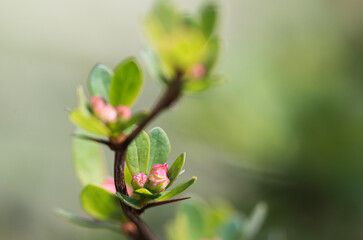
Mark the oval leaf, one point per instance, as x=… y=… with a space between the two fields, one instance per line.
x=138 y=152
x=89 y=162
x=175 y=169
x=209 y=16
x=159 y=147
x=86 y=222
x=179 y=189
x=126 y=84
x=99 y=81
x=132 y=202
x=89 y=123
x=101 y=204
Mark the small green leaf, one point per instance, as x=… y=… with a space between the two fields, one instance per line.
x=101 y=204
x=82 y=101
x=196 y=85
x=144 y=192
x=127 y=174
x=99 y=81
x=212 y=48
x=86 y=222
x=209 y=15
x=89 y=162
x=175 y=169
x=132 y=202
x=179 y=189
x=232 y=229
x=255 y=221
x=89 y=123
x=138 y=153
x=159 y=147
x=126 y=84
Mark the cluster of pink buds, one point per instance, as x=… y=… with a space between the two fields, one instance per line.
x=108 y=113
x=156 y=182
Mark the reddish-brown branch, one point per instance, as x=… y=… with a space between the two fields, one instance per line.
x=171 y=94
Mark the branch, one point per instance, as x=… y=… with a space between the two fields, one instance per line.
x=155 y=204
x=169 y=97
x=102 y=141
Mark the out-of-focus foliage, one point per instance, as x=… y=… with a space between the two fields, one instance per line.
x=182 y=42
x=197 y=220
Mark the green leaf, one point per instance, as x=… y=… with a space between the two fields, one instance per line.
x=198 y=85
x=179 y=189
x=130 y=201
x=89 y=162
x=99 y=81
x=86 y=222
x=127 y=174
x=209 y=15
x=159 y=147
x=175 y=169
x=82 y=101
x=256 y=220
x=89 y=123
x=101 y=204
x=212 y=48
x=195 y=214
x=126 y=84
x=232 y=229
x=144 y=193
x=138 y=152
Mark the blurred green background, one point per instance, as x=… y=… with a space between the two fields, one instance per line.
x=286 y=128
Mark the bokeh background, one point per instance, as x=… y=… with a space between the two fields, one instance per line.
x=286 y=128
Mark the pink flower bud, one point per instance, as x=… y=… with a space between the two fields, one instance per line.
x=124 y=112
x=103 y=110
x=198 y=71
x=109 y=185
x=158 y=178
x=139 y=180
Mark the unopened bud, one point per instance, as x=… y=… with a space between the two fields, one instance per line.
x=103 y=110
x=139 y=180
x=109 y=185
x=124 y=112
x=198 y=71
x=158 y=178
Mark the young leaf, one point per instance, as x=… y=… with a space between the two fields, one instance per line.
x=89 y=162
x=99 y=81
x=138 y=153
x=147 y=194
x=86 y=222
x=132 y=202
x=175 y=169
x=126 y=84
x=82 y=101
x=89 y=123
x=101 y=204
x=209 y=16
x=179 y=189
x=127 y=174
x=159 y=147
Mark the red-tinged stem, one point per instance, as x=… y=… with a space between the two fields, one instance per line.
x=141 y=231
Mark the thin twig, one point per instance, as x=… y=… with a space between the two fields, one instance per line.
x=102 y=141
x=155 y=204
